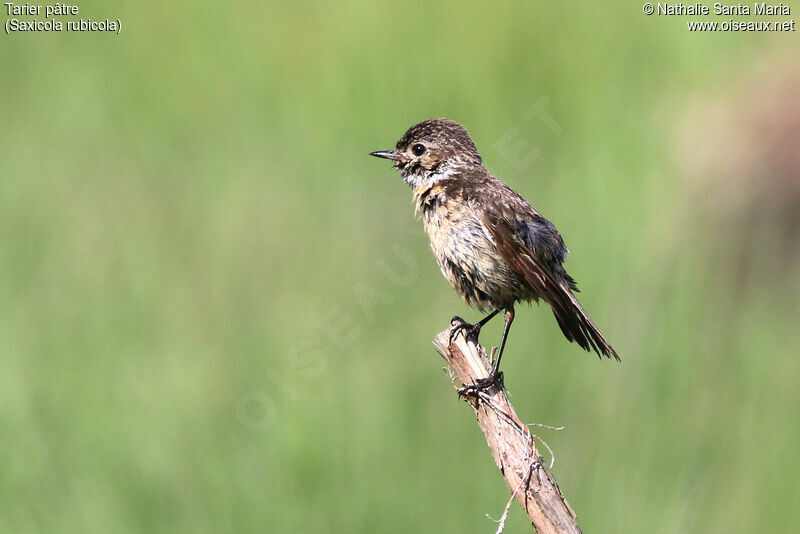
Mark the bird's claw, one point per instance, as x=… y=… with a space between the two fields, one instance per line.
x=469 y=330
x=495 y=379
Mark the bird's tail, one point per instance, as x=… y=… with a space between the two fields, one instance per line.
x=578 y=327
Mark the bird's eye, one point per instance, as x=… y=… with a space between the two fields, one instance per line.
x=418 y=149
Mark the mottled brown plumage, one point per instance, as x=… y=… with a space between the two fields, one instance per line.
x=493 y=247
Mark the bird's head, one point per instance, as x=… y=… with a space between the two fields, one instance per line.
x=432 y=150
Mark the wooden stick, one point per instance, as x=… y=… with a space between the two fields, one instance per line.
x=509 y=439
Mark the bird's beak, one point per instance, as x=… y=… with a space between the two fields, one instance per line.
x=386 y=154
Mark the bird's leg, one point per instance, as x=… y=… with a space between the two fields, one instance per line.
x=506 y=328
x=470 y=331
x=496 y=376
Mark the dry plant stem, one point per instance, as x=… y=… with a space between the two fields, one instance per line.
x=510 y=440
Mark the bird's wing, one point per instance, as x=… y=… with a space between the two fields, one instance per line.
x=503 y=217
x=504 y=230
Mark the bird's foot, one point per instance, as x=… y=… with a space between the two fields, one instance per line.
x=495 y=379
x=460 y=326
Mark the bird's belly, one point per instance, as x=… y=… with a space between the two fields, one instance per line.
x=470 y=261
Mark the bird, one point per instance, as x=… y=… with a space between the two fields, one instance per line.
x=493 y=247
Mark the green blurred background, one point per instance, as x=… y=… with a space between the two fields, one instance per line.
x=216 y=311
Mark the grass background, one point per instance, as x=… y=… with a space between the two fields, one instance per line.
x=216 y=310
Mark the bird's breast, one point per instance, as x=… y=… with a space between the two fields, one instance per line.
x=465 y=252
